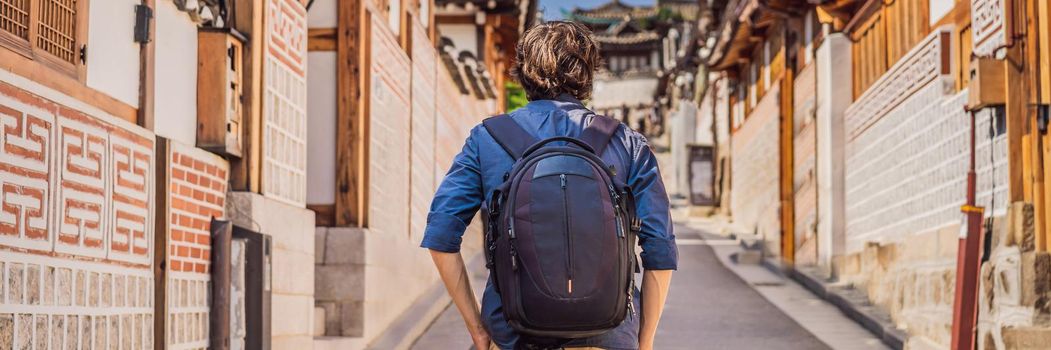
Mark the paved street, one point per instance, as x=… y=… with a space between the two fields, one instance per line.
x=709 y=307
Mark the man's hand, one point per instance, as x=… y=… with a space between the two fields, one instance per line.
x=655 y=285
x=481 y=339
x=454 y=275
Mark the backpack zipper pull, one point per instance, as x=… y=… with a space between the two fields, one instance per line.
x=563 y=178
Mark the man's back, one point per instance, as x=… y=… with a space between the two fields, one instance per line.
x=482 y=165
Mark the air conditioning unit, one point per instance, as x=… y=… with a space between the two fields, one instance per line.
x=220 y=105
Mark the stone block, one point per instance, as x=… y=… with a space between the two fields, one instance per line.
x=319 y=245
x=339 y=282
x=40 y=322
x=318 y=327
x=80 y=288
x=33 y=284
x=345 y=245
x=296 y=315
x=1020 y=226
x=1026 y=338
x=7 y=329
x=331 y=313
x=47 y=282
x=1036 y=281
x=15 y=286
x=352 y=318
x=64 y=287
x=25 y=332
x=948 y=242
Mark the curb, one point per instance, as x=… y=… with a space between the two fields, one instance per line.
x=851 y=302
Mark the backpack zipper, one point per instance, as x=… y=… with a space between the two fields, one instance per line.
x=569 y=237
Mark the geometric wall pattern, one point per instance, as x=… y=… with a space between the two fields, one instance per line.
x=76 y=227
x=284 y=103
x=906 y=169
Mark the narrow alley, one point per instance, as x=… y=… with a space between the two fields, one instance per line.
x=711 y=306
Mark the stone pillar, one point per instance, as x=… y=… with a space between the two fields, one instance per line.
x=833 y=98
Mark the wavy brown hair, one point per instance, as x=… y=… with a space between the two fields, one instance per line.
x=556 y=57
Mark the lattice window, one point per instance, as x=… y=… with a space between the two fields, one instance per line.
x=44 y=30
x=57 y=28
x=14 y=17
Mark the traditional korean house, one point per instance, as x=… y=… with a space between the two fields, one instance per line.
x=637 y=43
x=394 y=89
x=850 y=146
x=151 y=159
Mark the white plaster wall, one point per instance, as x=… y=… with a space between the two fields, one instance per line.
x=322 y=14
x=113 y=55
x=615 y=92
x=833 y=67
x=939 y=8
x=464 y=36
x=175 y=111
x=683 y=132
x=321 y=130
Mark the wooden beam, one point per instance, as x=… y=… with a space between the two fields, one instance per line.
x=247 y=18
x=160 y=243
x=787 y=108
x=321 y=39
x=324 y=214
x=147 y=64
x=352 y=62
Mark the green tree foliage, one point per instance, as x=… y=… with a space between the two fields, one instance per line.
x=516 y=96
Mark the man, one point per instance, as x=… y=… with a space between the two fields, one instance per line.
x=555 y=63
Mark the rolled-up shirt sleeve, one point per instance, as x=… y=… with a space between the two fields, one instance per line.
x=455 y=203
x=659 y=251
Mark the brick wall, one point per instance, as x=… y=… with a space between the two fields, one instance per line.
x=755 y=191
x=76 y=225
x=196 y=193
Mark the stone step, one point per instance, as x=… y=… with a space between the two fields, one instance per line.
x=339 y=343
x=319 y=321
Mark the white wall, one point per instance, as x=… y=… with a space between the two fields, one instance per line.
x=464 y=36
x=939 y=8
x=175 y=83
x=321 y=130
x=833 y=67
x=113 y=55
x=322 y=14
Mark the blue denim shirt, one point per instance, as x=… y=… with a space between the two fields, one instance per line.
x=480 y=166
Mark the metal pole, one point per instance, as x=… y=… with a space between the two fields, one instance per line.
x=219 y=313
x=968 y=261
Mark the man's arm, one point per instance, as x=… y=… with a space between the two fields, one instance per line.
x=654 y=292
x=454 y=275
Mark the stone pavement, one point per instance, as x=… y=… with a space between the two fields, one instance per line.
x=714 y=304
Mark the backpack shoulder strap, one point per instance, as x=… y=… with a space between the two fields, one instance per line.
x=599 y=132
x=511 y=137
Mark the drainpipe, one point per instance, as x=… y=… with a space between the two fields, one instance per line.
x=968 y=261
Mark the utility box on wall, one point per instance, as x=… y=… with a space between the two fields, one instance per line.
x=219 y=90
x=986 y=88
